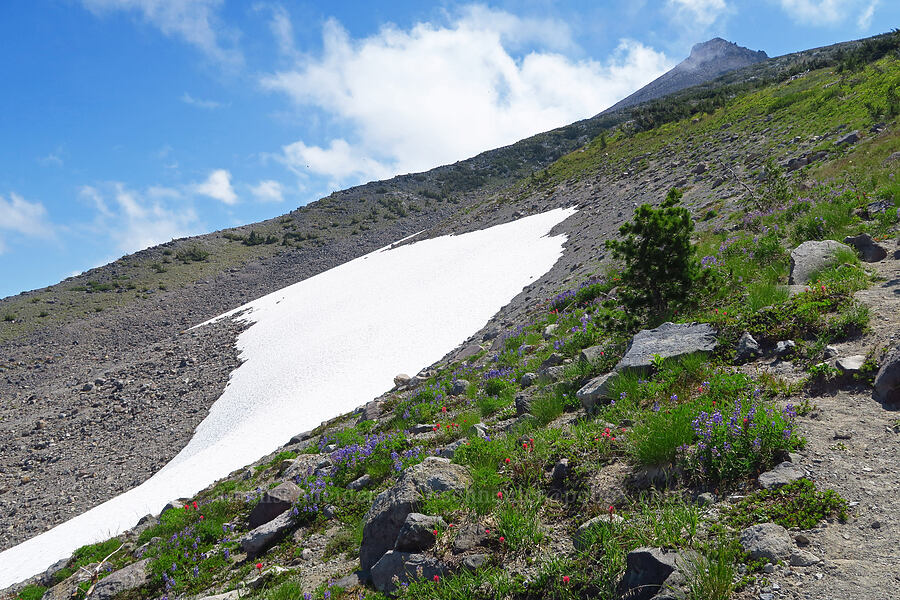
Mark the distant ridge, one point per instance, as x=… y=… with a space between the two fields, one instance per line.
x=707 y=61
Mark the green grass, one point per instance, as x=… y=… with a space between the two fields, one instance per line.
x=31 y=592
x=798 y=504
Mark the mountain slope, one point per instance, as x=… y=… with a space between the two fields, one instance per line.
x=782 y=120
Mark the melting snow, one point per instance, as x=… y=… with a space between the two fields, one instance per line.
x=319 y=348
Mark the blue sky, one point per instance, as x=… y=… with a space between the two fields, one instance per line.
x=125 y=123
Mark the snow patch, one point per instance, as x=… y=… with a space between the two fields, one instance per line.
x=322 y=347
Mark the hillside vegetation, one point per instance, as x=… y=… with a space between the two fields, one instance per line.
x=572 y=464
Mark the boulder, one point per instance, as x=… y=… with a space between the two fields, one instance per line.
x=360 y=483
x=418 y=532
x=473 y=562
x=458 y=387
x=669 y=340
x=273 y=503
x=467 y=352
x=873 y=209
x=595 y=390
x=649 y=571
x=469 y=536
x=405 y=567
x=868 y=249
x=552 y=373
x=851 y=364
x=813 y=256
x=554 y=360
x=550 y=330
x=523 y=404
x=699 y=169
x=747 y=348
x=850 y=138
x=131 y=577
x=528 y=379
x=785 y=348
x=258 y=540
x=67 y=588
x=767 y=541
x=887 y=381
x=388 y=513
x=449 y=451
x=373 y=409
x=783 y=474
x=796 y=163
x=48 y=576
x=591 y=355
x=803 y=558
x=401 y=379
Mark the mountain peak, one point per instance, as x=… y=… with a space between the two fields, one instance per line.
x=707 y=61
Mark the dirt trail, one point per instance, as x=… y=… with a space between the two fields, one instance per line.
x=854 y=448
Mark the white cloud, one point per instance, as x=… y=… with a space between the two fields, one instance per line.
x=830 y=12
x=701 y=13
x=135 y=220
x=194 y=21
x=268 y=191
x=217 y=186
x=24 y=218
x=414 y=99
x=199 y=103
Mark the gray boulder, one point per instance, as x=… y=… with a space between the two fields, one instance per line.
x=767 y=541
x=388 y=513
x=131 y=577
x=372 y=410
x=783 y=474
x=747 y=348
x=785 y=348
x=527 y=379
x=595 y=390
x=473 y=562
x=258 y=540
x=669 y=340
x=554 y=360
x=550 y=330
x=851 y=364
x=887 y=381
x=273 y=503
x=850 y=138
x=809 y=257
x=418 y=532
x=552 y=373
x=67 y=588
x=523 y=404
x=649 y=571
x=458 y=387
x=590 y=355
x=400 y=380
x=469 y=536
x=406 y=567
x=360 y=483
x=868 y=249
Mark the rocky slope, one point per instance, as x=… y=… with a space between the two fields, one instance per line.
x=54 y=408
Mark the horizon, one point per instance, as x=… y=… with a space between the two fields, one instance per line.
x=140 y=124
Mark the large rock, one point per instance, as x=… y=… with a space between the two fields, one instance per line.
x=785 y=473
x=65 y=589
x=747 y=348
x=767 y=541
x=259 y=540
x=407 y=567
x=887 y=381
x=868 y=250
x=669 y=340
x=418 y=532
x=810 y=257
x=388 y=513
x=648 y=571
x=131 y=577
x=591 y=355
x=595 y=390
x=273 y=503
x=851 y=365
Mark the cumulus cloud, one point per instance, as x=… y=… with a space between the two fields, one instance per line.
x=268 y=191
x=217 y=186
x=702 y=13
x=194 y=21
x=135 y=220
x=28 y=219
x=413 y=99
x=830 y=12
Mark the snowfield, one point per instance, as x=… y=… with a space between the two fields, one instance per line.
x=319 y=348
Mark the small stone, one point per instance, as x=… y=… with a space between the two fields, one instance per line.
x=769 y=568
x=868 y=249
x=307 y=554
x=783 y=474
x=766 y=540
x=851 y=364
x=706 y=499
x=473 y=562
x=87 y=387
x=458 y=387
x=550 y=330
x=801 y=540
x=850 y=138
x=830 y=351
x=360 y=483
x=876 y=524
x=527 y=379
x=747 y=348
x=803 y=558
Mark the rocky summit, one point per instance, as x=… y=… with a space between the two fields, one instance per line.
x=697 y=400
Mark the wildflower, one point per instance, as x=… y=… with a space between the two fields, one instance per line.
x=437 y=578
x=487 y=531
x=259 y=566
x=507 y=461
x=566 y=579
x=502 y=539
x=195 y=505
x=500 y=495
x=434 y=531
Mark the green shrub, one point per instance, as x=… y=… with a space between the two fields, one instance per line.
x=797 y=504
x=192 y=254
x=661 y=266
x=31 y=592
